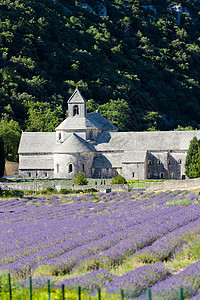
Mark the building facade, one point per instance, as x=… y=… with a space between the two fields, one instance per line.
x=89 y=143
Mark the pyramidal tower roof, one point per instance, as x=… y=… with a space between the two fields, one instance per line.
x=76 y=97
x=74 y=144
x=83 y=120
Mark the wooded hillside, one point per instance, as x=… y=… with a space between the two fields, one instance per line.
x=139 y=64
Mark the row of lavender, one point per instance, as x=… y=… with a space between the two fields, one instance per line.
x=156 y=277
x=64 y=233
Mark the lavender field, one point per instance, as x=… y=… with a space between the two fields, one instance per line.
x=131 y=241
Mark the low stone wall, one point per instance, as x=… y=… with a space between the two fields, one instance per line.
x=19 y=186
x=100 y=188
x=11 y=168
x=103 y=188
x=173 y=184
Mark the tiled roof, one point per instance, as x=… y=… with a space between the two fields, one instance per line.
x=74 y=144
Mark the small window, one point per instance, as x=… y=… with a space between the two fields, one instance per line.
x=45 y=174
x=169 y=162
x=59 y=136
x=70 y=168
x=183 y=177
x=133 y=174
x=158 y=161
x=180 y=161
x=172 y=175
x=58 y=168
x=75 y=110
x=162 y=175
x=149 y=162
x=83 y=167
x=29 y=174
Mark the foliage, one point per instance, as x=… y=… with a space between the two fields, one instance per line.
x=49 y=189
x=65 y=191
x=192 y=162
x=182 y=128
x=119 y=179
x=154 y=121
x=47 y=48
x=80 y=179
x=42 y=118
x=117 y=112
x=10 y=132
x=11 y=193
x=2 y=158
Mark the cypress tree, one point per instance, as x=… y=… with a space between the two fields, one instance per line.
x=2 y=158
x=192 y=162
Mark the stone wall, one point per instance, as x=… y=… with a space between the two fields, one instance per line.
x=173 y=184
x=166 y=164
x=103 y=188
x=133 y=170
x=21 y=186
x=11 y=168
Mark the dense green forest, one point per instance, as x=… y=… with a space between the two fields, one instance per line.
x=139 y=65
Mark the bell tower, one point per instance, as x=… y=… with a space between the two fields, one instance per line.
x=77 y=105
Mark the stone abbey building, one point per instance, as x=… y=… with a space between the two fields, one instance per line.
x=89 y=143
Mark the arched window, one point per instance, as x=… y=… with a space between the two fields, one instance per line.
x=180 y=161
x=172 y=175
x=158 y=161
x=133 y=174
x=83 y=167
x=149 y=162
x=70 y=168
x=75 y=110
x=169 y=162
x=162 y=175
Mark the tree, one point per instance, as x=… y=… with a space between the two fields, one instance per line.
x=80 y=179
x=153 y=121
x=2 y=158
x=10 y=132
x=192 y=162
x=117 y=112
x=119 y=179
x=42 y=118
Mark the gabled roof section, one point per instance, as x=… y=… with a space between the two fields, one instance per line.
x=134 y=156
x=76 y=97
x=45 y=162
x=37 y=142
x=105 y=124
x=74 y=144
x=76 y=123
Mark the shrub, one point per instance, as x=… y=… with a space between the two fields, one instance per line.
x=91 y=190
x=80 y=179
x=30 y=192
x=12 y=193
x=43 y=192
x=65 y=191
x=79 y=191
x=119 y=179
x=49 y=189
